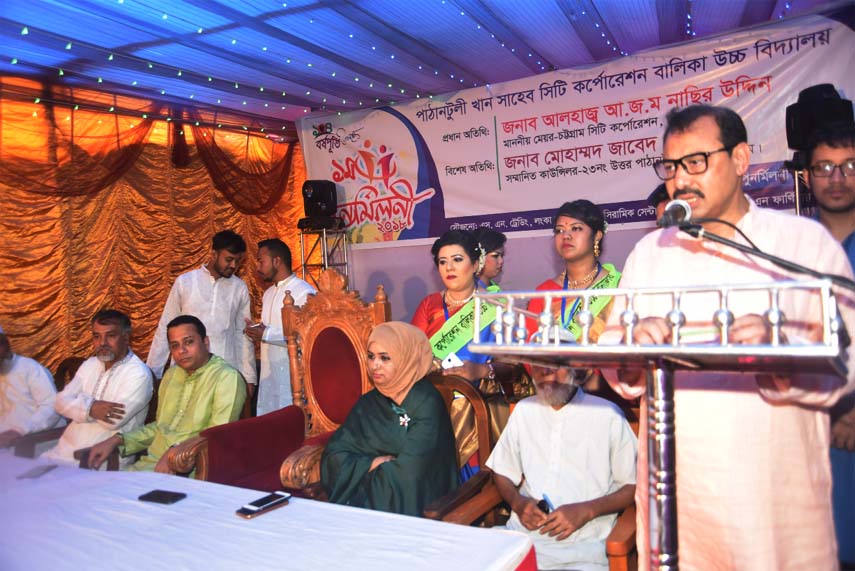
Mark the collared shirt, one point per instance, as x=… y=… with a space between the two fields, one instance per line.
x=583 y=451
x=274 y=389
x=187 y=404
x=127 y=382
x=221 y=304
x=27 y=395
x=753 y=475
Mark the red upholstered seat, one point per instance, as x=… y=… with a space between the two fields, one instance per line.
x=336 y=373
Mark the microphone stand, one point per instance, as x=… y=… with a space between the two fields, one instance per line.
x=692 y=228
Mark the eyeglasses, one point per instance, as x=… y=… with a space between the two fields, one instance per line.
x=825 y=169
x=696 y=163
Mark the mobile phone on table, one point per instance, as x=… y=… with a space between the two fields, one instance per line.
x=264 y=504
x=162 y=497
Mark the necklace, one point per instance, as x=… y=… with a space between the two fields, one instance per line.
x=585 y=280
x=451 y=302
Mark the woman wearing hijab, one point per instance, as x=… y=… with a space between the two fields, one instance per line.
x=395 y=451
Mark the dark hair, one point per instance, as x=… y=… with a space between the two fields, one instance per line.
x=460 y=238
x=277 y=249
x=732 y=129
x=491 y=240
x=113 y=317
x=658 y=196
x=228 y=240
x=188 y=320
x=583 y=210
x=836 y=136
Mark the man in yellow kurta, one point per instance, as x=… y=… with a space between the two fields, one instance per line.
x=199 y=392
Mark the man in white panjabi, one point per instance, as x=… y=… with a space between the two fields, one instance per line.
x=274 y=267
x=110 y=391
x=752 y=465
x=27 y=395
x=218 y=297
x=574 y=451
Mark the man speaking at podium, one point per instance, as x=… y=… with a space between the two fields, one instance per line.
x=752 y=467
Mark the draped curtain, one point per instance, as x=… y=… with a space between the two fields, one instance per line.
x=94 y=214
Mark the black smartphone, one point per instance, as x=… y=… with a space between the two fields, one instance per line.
x=264 y=504
x=543 y=506
x=162 y=497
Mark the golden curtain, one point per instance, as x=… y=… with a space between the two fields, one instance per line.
x=67 y=254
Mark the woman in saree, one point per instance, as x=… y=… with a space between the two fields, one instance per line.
x=578 y=238
x=493 y=243
x=395 y=451
x=447 y=319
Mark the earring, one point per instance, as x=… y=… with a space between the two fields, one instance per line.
x=596 y=248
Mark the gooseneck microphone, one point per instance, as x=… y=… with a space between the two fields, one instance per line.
x=676 y=212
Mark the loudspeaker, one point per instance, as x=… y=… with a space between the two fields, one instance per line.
x=319 y=199
x=818 y=106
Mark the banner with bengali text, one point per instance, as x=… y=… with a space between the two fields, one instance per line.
x=507 y=155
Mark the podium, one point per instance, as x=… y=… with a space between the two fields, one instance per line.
x=331 y=244
x=511 y=341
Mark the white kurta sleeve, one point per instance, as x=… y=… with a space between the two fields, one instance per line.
x=505 y=459
x=135 y=394
x=43 y=392
x=158 y=353
x=623 y=453
x=72 y=402
x=244 y=345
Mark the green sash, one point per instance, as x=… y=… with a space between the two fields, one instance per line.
x=597 y=303
x=456 y=332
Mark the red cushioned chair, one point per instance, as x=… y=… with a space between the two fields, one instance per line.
x=246 y=453
x=327 y=347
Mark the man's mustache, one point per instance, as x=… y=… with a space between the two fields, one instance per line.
x=685 y=191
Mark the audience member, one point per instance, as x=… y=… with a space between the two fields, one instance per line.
x=395 y=451
x=200 y=391
x=566 y=465
x=27 y=395
x=274 y=267
x=831 y=175
x=110 y=391
x=753 y=476
x=219 y=298
x=493 y=243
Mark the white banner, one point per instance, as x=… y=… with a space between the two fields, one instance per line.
x=507 y=155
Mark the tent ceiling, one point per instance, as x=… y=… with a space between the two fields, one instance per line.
x=276 y=60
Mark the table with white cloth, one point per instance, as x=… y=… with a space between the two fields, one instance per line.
x=70 y=518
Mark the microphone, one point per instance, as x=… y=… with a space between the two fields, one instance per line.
x=676 y=212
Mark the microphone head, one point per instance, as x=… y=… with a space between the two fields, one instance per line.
x=676 y=212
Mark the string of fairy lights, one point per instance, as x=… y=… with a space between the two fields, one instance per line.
x=208 y=90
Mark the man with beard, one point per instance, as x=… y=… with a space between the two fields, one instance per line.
x=110 y=391
x=27 y=395
x=220 y=299
x=274 y=267
x=565 y=463
x=831 y=175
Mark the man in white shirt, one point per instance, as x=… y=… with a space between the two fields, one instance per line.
x=109 y=393
x=565 y=463
x=274 y=267
x=220 y=299
x=27 y=394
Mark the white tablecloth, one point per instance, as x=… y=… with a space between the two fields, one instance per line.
x=75 y=519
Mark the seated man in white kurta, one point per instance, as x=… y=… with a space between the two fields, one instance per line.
x=573 y=453
x=27 y=394
x=110 y=391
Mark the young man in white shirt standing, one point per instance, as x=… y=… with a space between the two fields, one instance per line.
x=220 y=299
x=274 y=267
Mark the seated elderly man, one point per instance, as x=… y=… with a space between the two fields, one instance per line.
x=200 y=391
x=27 y=394
x=109 y=392
x=566 y=465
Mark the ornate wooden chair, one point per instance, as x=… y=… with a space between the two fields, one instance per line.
x=327 y=347
x=478 y=497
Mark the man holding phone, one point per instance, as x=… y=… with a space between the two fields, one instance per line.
x=199 y=392
x=565 y=463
